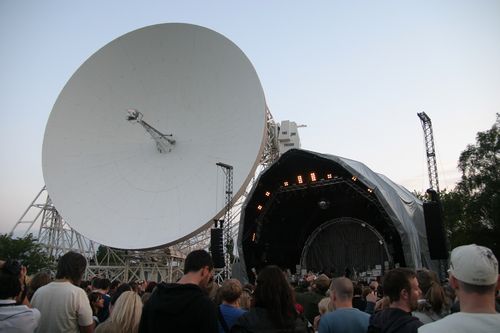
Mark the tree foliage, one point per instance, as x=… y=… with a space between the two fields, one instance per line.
x=472 y=209
x=27 y=251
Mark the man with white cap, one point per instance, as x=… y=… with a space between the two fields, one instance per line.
x=474 y=276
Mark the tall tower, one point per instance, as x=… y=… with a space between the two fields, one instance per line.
x=429 y=148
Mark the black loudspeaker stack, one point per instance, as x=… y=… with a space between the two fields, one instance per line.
x=217 y=247
x=436 y=236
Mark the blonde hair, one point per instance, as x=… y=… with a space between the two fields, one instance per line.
x=127 y=312
x=324 y=305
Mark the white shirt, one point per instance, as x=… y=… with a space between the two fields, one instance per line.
x=464 y=322
x=17 y=318
x=64 y=308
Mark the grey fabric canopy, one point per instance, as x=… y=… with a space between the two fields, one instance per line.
x=403 y=208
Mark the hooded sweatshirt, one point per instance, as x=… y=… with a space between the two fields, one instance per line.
x=393 y=320
x=17 y=318
x=178 y=308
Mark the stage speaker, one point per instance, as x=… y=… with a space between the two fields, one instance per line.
x=436 y=236
x=217 y=247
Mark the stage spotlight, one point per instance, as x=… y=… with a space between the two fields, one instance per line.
x=370 y=190
x=268 y=193
x=380 y=242
x=329 y=176
x=259 y=207
x=313 y=176
x=253 y=237
x=299 y=179
x=354 y=178
x=323 y=204
x=285 y=183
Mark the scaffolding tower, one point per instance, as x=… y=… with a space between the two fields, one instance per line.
x=430 y=151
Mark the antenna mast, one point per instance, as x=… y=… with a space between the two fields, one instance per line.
x=429 y=148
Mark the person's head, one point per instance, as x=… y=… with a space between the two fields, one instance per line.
x=200 y=262
x=120 y=290
x=324 y=305
x=96 y=302
x=71 y=266
x=246 y=296
x=365 y=292
x=151 y=286
x=341 y=292
x=127 y=312
x=474 y=270
x=401 y=286
x=357 y=289
x=39 y=280
x=95 y=282
x=275 y=295
x=114 y=285
x=10 y=285
x=104 y=284
x=321 y=284
x=230 y=291
x=432 y=291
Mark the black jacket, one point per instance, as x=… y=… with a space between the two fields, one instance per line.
x=256 y=320
x=178 y=308
x=393 y=320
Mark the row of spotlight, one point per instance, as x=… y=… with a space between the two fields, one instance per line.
x=313 y=178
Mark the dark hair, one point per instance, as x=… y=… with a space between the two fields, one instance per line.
x=93 y=298
x=151 y=286
x=196 y=260
x=431 y=290
x=39 y=280
x=395 y=280
x=357 y=289
x=103 y=284
x=120 y=290
x=71 y=266
x=95 y=282
x=10 y=286
x=114 y=284
x=275 y=295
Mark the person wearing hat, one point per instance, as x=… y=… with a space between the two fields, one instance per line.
x=310 y=299
x=474 y=276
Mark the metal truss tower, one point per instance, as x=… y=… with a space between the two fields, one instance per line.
x=227 y=237
x=54 y=233
x=430 y=151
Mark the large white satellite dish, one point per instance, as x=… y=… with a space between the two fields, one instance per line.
x=131 y=145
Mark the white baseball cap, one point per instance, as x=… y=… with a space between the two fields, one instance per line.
x=474 y=264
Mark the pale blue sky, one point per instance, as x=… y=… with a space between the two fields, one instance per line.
x=356 y=72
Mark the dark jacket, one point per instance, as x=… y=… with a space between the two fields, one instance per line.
x=256 y=320
x=309 y=300
x=393 y=320
x=178 y=308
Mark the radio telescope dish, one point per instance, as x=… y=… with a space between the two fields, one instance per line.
x=131 y=145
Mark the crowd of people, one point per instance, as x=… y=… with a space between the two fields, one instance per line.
x=404 y=300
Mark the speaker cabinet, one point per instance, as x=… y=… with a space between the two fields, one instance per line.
x=217 y=247
x=436 y=236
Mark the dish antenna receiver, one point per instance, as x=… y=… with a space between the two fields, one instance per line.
x=198 y=101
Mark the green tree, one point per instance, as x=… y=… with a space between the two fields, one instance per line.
x=27 y=251
x=472 y=209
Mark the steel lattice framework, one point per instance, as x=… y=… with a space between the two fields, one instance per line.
x=430 y=151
